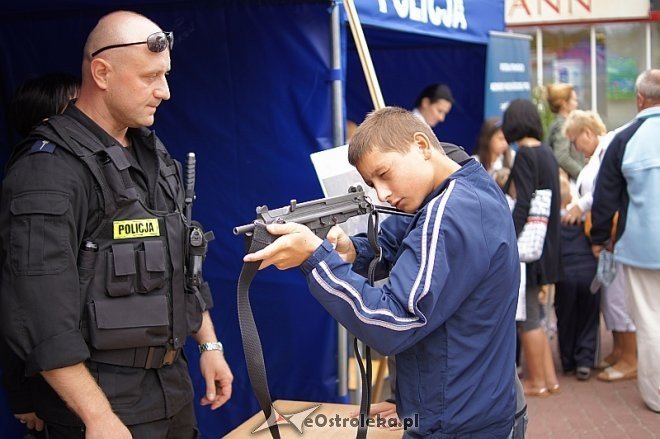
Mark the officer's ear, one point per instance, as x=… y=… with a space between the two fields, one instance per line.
x=100 y=68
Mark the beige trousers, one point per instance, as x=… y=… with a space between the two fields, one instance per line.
x=644 y=307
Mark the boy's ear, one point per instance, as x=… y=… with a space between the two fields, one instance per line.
x=423 y=143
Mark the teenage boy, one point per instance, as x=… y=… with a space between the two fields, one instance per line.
x=448 y=308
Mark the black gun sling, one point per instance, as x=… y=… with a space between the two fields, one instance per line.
x=254 y=357
x=252 y=347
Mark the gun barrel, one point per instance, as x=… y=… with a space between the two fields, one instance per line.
x=246 y=228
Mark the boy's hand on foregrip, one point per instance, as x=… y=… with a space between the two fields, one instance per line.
x=294 y=246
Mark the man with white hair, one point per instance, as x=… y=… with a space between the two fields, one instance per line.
x=629 y=182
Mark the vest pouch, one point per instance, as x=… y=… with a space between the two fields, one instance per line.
x=121 y=272
x=134 y=321
x=151 y=266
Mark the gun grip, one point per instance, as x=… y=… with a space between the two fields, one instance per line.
x=323 y=232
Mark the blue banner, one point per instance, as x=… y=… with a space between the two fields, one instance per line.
x=507 y=72
x=463 y=20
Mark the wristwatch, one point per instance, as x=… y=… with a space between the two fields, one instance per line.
x=217 y=346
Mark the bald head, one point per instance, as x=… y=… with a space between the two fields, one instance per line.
x=118 y=28
x=125 y=81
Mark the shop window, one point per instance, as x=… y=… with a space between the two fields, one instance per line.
x=625 y=57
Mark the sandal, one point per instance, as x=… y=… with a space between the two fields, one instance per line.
x=543 y=392
x=610 y=374
x=554 y=389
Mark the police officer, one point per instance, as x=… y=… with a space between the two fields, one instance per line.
x=94 y=244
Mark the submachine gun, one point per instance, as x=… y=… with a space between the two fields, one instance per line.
x=319 y=216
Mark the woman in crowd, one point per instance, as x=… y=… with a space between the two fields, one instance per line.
x=492 y=149
x=434 y=104
x=41 y=97
x=562 y=99
x=587 y=132
x=535 y=168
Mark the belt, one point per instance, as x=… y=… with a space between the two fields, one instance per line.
x=153 y=357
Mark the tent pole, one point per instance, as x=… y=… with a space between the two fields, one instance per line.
x=338 y=139
x=365 y=57
x=338 y=119
x=374 y=91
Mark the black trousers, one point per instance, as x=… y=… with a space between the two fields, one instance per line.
x=578 y=313
x=181 y=426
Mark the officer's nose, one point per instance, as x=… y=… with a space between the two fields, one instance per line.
x=162 y=91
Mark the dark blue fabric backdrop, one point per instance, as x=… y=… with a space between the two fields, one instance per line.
x=250 y=95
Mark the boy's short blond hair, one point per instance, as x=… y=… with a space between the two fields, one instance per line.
x=388 y=129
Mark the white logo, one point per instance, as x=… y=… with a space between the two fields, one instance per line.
x=295 y=419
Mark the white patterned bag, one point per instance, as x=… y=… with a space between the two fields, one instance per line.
x=532 y=236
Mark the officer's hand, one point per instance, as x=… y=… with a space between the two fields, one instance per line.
x=31 y=420
x=218 y=377
x=296 y=244
x=342 y=244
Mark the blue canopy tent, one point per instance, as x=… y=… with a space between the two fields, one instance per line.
x=416 y=43
x=251 y=95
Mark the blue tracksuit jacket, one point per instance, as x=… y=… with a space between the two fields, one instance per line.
x=447 y=310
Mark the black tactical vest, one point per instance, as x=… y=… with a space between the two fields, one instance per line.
x=136 y=310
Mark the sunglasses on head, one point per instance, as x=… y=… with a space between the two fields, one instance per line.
x=156 y=42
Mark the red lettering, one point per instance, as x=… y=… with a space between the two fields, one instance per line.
x=555 y=6
x=586 y=4
x=520 y=3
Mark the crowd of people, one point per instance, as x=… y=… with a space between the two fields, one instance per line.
x=110 y=365
x=591 y=272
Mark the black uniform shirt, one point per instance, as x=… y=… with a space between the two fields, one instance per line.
x=50 y=202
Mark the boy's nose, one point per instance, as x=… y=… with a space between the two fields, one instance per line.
x=383 y=194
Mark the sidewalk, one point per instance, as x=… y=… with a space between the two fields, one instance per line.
x=592 y=409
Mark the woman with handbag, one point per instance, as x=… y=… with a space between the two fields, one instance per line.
x=534 y=184
x=587 y=132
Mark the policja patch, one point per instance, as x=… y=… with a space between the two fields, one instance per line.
x=136 y=228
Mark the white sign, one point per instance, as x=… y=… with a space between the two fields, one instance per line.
x=336 y=175
x=532 y=12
